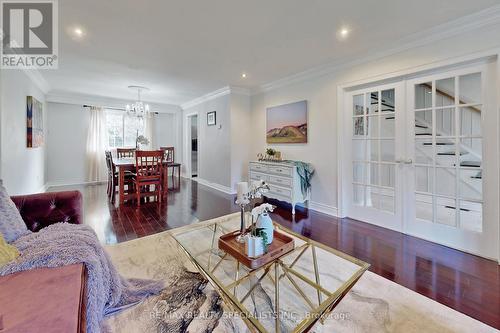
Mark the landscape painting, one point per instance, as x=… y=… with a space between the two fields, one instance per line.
x=34 y=123
x=287 y=123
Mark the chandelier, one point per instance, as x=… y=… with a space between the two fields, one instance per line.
x=138 y=108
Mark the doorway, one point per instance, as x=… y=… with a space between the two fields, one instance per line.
x=193 y=122
x=420 y=151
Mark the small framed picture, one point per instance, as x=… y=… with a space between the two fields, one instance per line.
x=211 y=118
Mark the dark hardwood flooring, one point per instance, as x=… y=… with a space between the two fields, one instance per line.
x=464 y=282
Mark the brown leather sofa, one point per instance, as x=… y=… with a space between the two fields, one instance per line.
x=42 y=209
x=46 y=299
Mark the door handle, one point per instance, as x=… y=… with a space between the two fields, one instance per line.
x=401 y=161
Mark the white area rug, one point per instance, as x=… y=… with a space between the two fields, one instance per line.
x=189 y=304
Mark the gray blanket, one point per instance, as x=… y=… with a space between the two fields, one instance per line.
x=64 y=244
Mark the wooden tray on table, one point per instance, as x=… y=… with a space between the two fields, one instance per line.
x=281 y=245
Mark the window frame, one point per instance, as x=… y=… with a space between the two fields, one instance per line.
x=123 y=115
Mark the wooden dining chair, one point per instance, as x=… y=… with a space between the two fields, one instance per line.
x=125 y=152
x=169 y=154
x=170 y=159
x=110 y=172
x=113 y=178
x=149 y=168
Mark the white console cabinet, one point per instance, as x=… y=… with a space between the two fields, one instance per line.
x=283 y=180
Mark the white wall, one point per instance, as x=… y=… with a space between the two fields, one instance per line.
x=66 y=143
x=214 y=146
x=165 y=133
x=321 y=94
x=241 y=137
x=22 y=169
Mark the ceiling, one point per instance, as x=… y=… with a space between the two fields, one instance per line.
x=184 y=49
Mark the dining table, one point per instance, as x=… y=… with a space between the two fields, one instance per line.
x=128 y=164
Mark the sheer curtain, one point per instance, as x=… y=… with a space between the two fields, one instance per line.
x=96 y=145
x=150 y=131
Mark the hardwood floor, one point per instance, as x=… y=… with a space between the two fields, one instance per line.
x=464 y=282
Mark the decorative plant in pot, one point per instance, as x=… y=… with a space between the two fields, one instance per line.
x=141 y=140
x=273 y=155
x=270 y=152
x=261 y=233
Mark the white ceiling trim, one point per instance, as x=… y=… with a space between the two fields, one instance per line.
x=82 y=99
x=37 y=78
x=215 y=94
x=456 y=27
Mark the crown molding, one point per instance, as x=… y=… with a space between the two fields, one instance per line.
x=66 y=97
x=240 y=91
x=459 y=26
x=215 y=94
x=207 y=97
x=37 y=78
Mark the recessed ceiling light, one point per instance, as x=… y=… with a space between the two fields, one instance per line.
x=76 y=32
x=343 y=33
x=243 y=75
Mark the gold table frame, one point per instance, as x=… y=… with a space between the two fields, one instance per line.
x=320 y=309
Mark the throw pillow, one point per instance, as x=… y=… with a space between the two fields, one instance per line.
x=12 y=225
x=7 y=252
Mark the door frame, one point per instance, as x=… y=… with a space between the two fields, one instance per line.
x=187 y=144
x=343 y=89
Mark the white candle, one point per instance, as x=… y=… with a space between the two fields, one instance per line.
x=241 y=190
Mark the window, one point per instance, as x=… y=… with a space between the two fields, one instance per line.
x=122 y=130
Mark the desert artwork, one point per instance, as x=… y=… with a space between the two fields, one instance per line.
x=287 y=123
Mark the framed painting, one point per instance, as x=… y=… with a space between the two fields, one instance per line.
x=34 y=123
x=287 y=123
x=211 y=118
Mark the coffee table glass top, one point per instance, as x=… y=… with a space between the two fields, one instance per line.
x=290 y=294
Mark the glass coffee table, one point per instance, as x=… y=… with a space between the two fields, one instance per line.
x=289 y=294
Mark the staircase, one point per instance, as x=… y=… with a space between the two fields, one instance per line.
x=469 y=158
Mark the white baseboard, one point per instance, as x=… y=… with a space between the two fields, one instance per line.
x=323 y=208
x=53 y=184
x=44 y=188
x=216 y=186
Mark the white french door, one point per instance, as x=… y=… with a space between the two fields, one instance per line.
x=424 y=158
x=453 y=140
x=376 y=145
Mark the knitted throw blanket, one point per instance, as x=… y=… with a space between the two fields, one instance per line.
x=65 y=244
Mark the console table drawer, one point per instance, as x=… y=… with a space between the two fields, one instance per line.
x=283 y=192
x=258 y=176
x=287 y=182
x=258 y=167
x=282 y=171
x=283 y=179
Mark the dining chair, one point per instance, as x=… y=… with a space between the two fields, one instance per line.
x=169 y=154
x=125 y=152
x=170 y=159
x=149 y=168
x=110 y=172
x=113 y=178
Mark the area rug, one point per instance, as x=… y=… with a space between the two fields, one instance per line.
x=189 y=303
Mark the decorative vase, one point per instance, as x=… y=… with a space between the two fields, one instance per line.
x=266 y=224
x=254 y=246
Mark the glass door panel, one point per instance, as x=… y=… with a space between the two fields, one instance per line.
x=374 y=149
x=447 y=127
x=447 y=146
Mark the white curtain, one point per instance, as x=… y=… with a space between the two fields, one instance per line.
x=150 y=131
x=96 y=145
